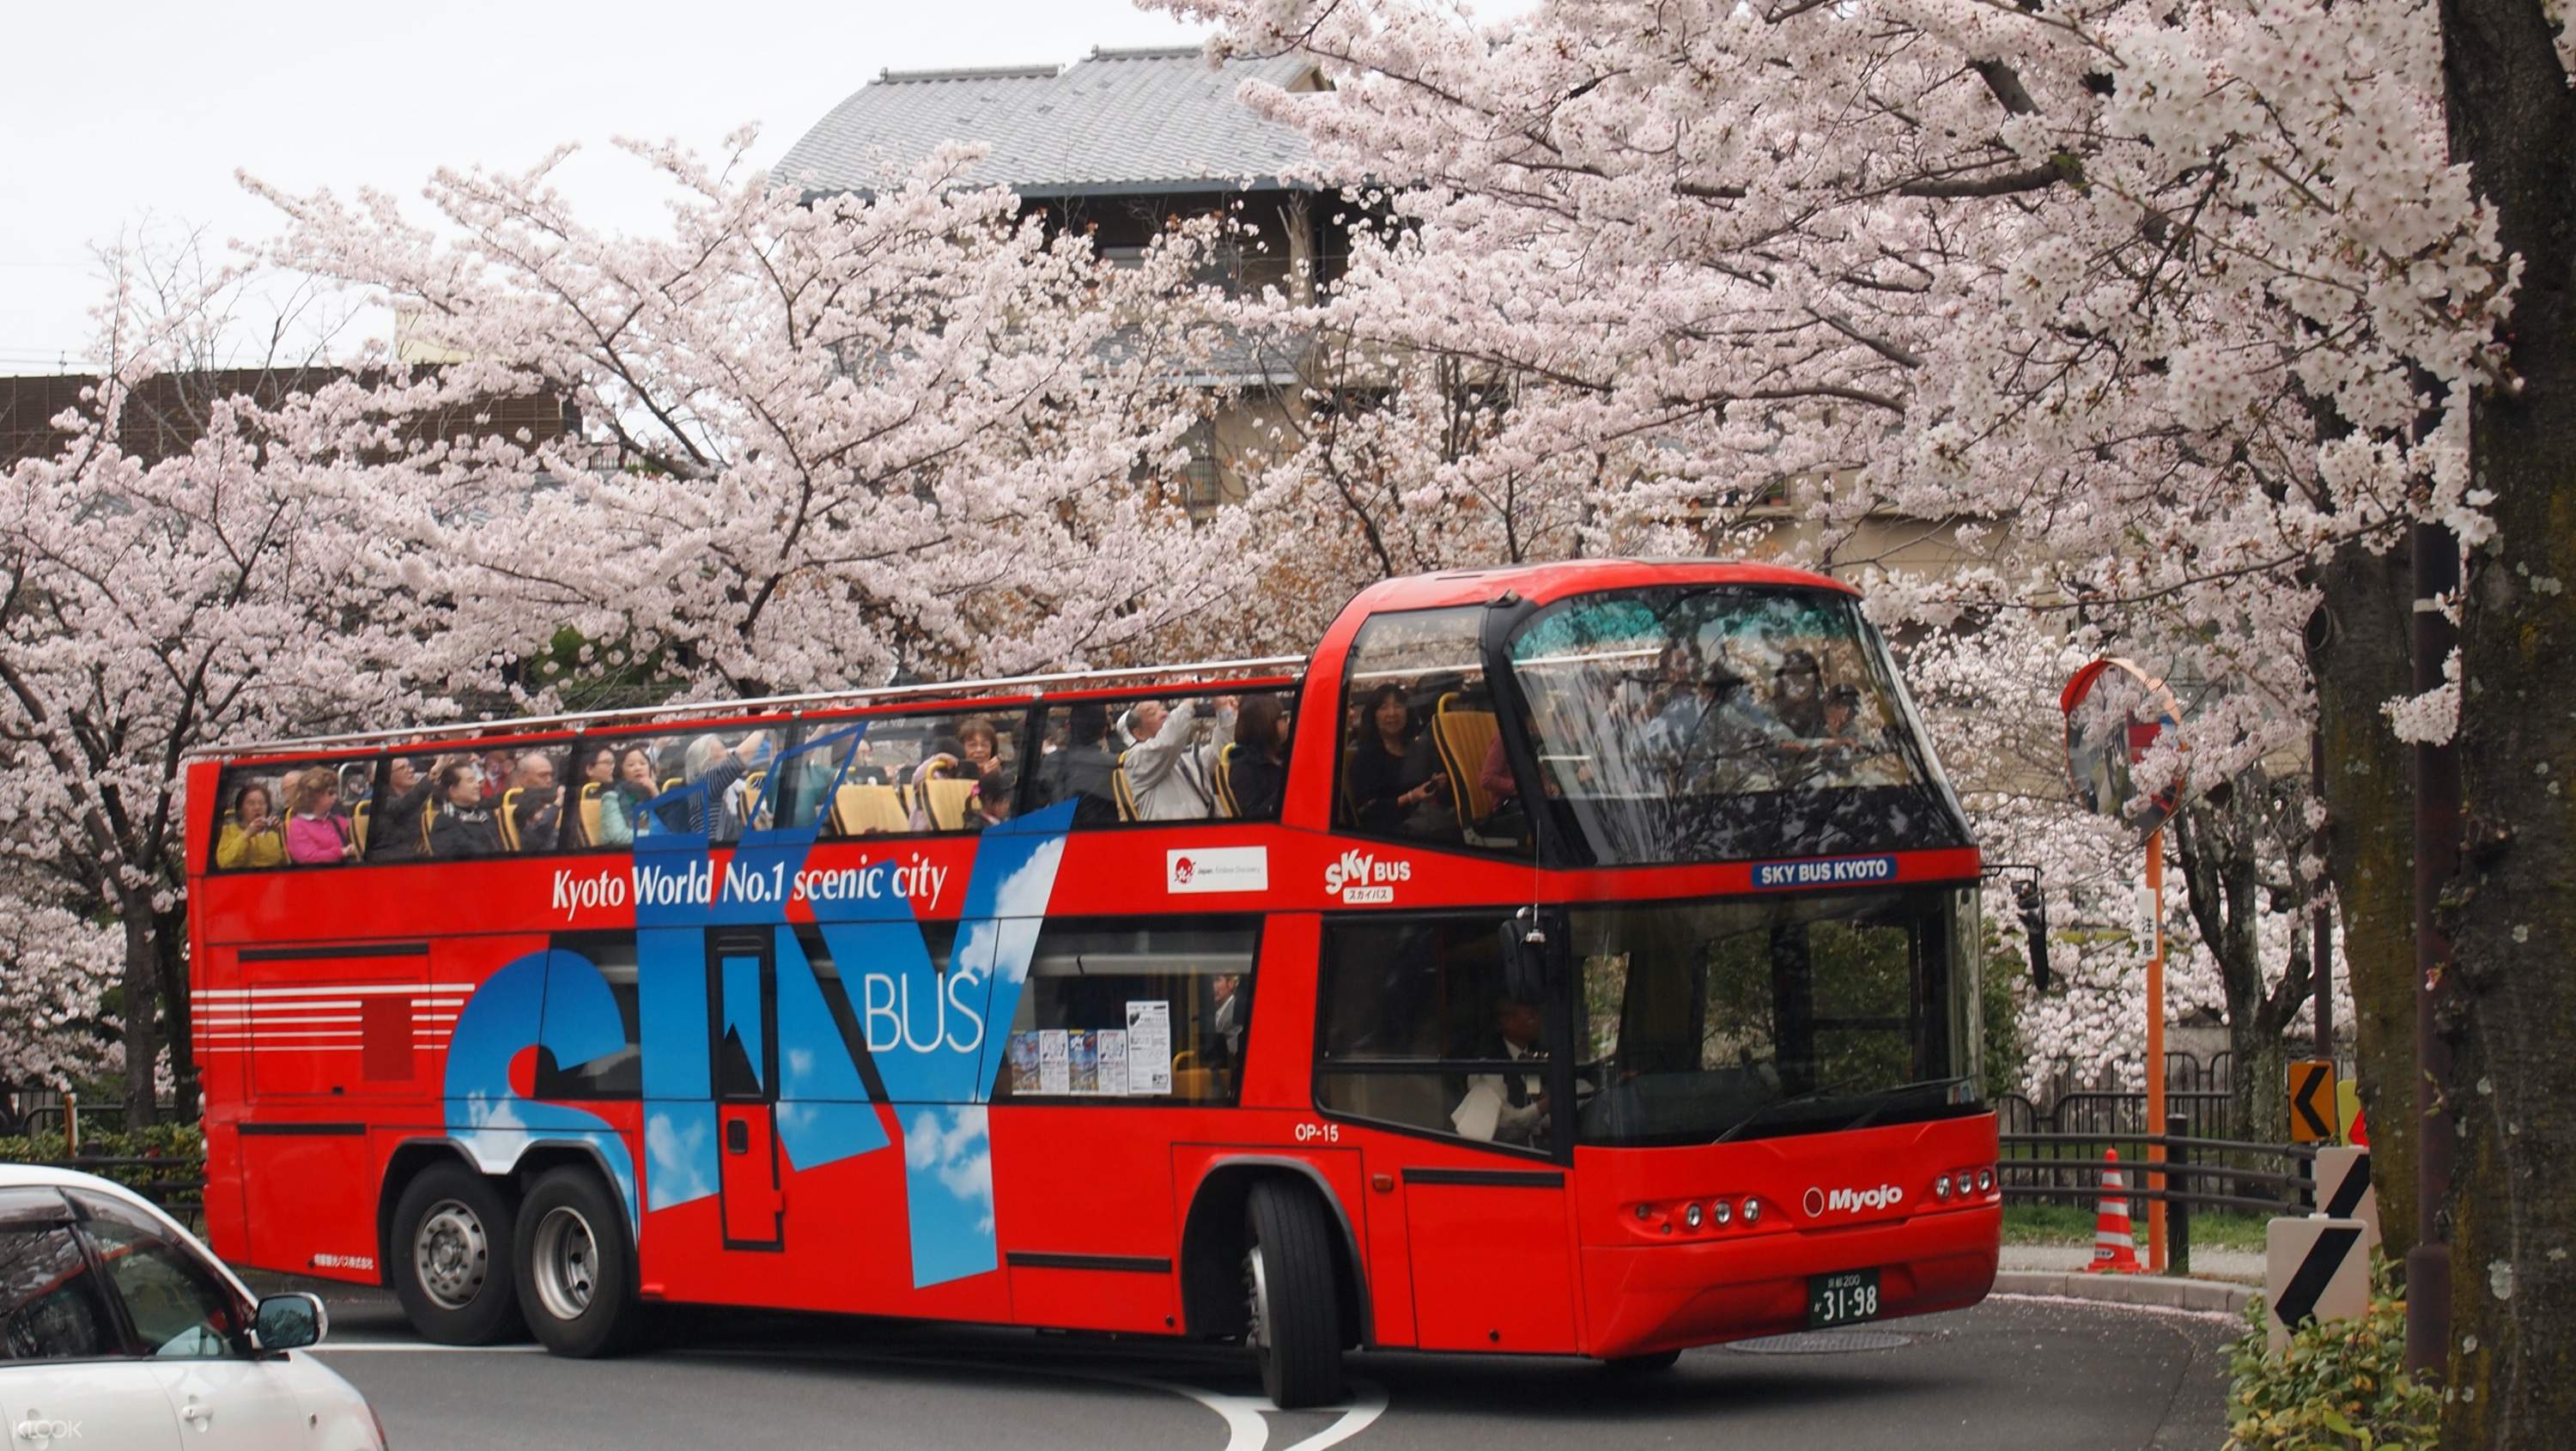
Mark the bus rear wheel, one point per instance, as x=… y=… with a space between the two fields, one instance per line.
x=451 y=1254
x=1294 y=1324
x=576 y=1270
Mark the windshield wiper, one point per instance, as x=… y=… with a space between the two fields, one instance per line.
x=1888 y=1096
x=1766 y=1111
x=1884 y=1097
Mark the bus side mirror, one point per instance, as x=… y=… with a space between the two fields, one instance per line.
x=2033 y=907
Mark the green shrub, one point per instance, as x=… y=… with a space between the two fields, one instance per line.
x=161 y=1141
x=2339 y=1386
x=184 y=1145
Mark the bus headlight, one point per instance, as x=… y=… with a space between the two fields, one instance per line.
x=1690 y=1216
x=1985 y=1181
x=1941 y=1187
x=1752 y=1211
x=1721 y=1211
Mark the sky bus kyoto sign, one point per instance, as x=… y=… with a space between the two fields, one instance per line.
x=2114 y=713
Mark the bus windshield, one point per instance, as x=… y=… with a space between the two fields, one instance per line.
x=1727 y=1020
x=1717 y=723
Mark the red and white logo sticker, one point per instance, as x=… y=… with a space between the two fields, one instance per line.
x=1217 y=869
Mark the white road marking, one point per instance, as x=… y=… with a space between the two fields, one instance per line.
x=2215 y=1317
x=1246 y=1426
x=1368 y=1402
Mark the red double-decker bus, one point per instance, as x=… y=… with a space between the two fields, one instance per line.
x=1576 y=959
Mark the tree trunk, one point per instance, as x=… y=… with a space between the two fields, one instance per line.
x=170 y=953
x=2358 y=655
x=142 y=1016
x=2511 y=911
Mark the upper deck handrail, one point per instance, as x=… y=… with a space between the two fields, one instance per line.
x=683 y=709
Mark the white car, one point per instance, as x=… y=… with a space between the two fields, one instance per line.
x=119 y=1332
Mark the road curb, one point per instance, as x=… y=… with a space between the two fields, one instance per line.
x=2158 y=1290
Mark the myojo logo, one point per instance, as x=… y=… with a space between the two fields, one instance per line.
x=1852 y=1201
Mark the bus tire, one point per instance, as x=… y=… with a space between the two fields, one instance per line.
x=1648 y=1364
x=1294 y=1307
x=575 y=1266
x=451 y=1253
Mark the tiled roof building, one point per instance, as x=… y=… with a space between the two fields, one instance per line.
x=1119 y=122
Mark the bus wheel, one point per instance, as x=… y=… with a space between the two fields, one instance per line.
x=1294 y=1325
x=1642 y=1364
x=576 y=1271
x=451 y=1255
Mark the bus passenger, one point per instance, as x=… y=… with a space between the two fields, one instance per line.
x=622 y=804
x=1260 y=770
x=712 y=767
x=537 y=816
x=394 y=834
x=317 y=831
x=1080 y=770
x=1171 y=773
x=463 y=826
x=1798 y=696
x=991 y=803
x=1386 y=783
x=1508 y=1108
x=980 y=747
x=251 y=837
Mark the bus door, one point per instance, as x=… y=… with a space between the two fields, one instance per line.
x=742 y=983
x=1425 y=1027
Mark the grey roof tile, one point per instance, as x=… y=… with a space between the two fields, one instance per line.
x=1117 y=121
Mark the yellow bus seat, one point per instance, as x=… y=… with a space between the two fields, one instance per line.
x=860 y=809
x=1465 y=737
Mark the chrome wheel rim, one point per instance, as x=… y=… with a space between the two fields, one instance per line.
x=1257 y=1300
x=567 y=1262
x=451 y=1254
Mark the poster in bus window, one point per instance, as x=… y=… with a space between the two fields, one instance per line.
x=1055 y=1065
x=1082 y=1062
x=1149 y=1046
x=1024 y=1062
x=1112 y=1046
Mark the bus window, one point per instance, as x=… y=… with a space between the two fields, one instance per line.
x=1417 y=1029
x=1158 y=1009
x=611 y=1075
x=1712 y=723
x=1753 y=1018
x=297 y=815
x=1422 y=757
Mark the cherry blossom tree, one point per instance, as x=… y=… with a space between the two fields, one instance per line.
x=242 y=581
x=2174 y=314
x=824 y=440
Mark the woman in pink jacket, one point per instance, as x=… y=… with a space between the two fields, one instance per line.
x=317 y=831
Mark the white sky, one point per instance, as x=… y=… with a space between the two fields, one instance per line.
x=119 y=116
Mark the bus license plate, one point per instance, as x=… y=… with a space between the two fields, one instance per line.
x=1846 y=1297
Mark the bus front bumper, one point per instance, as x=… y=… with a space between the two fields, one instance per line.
x=1647 y=1298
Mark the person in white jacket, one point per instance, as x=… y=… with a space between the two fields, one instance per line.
x=1171 y=775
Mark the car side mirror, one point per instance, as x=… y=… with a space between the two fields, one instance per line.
x=2033 y=908
x=289 y=1322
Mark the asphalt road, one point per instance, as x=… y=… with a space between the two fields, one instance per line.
x=2010 y=1373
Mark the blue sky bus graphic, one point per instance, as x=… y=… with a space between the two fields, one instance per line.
x=936 y=1039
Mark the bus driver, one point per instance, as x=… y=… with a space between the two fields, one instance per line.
x=1508 y=1108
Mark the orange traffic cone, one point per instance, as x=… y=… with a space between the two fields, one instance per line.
x=2115 y=1247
